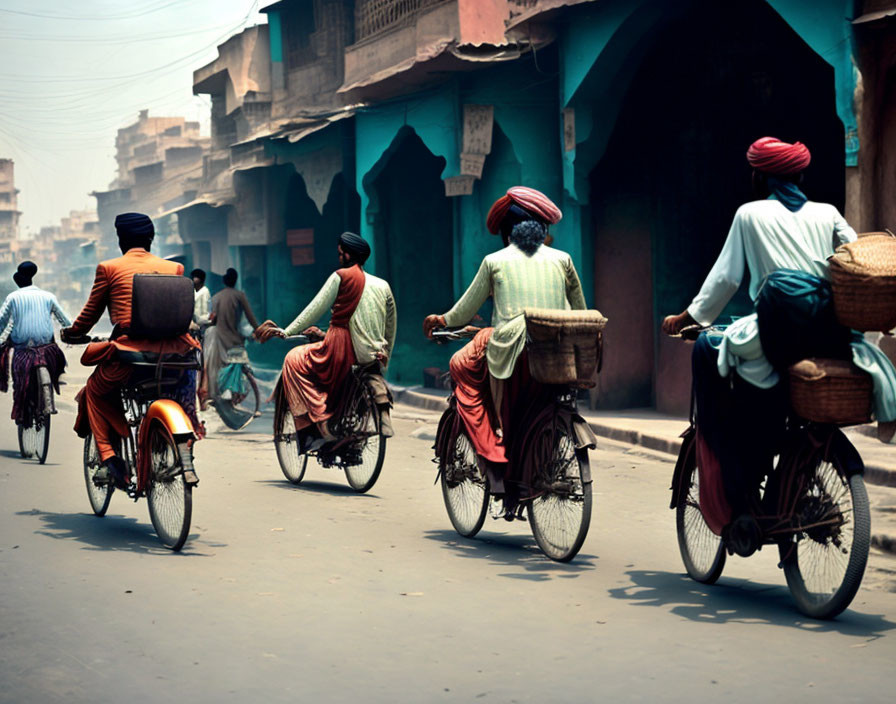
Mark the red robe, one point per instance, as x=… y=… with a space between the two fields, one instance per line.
x=313 y=373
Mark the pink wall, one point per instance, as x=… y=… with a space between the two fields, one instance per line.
x=482 y=21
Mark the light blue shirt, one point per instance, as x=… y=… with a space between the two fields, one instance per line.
x=27 y=316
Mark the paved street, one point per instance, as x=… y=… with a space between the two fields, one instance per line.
x=314 y=593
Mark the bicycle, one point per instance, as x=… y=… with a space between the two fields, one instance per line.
x=240 y=408
x=360 y=447
x=559 y=509
x=814 y=508
x=34 y=424
x=158 y=450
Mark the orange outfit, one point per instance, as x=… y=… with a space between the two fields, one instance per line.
x=99 y=406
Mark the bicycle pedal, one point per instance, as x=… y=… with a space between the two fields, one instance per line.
x=190 y=478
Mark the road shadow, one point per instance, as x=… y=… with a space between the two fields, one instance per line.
x=739 y=601
x=111 y=532
x=13 y=454
x=319 y=487
x=518 y=552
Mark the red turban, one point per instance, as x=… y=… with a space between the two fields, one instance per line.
x=530 y=200
x=776 y=157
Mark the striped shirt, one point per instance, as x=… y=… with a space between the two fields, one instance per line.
x=515 y=280
x=372 y=325
x=26 y=316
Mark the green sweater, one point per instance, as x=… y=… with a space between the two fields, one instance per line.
x=515 y=280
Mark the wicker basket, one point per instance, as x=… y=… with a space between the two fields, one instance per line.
x=863 y=279
x=830 y=391
x=564 y=345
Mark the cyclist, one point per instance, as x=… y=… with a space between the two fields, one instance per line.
x=224 y=341
x=27 y=316
x=362 y=331
x=493 y=389
x=99 y=405
x=784 y=236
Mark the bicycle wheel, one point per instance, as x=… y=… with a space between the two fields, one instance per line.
x=98 y=494
x=241 y=409
x=824 y=563
x=702 y=551
x=371 y=448
x=560 y=516
x=25 y=443
x=464 y=488
x=286 y=444
x=42 y=437
x=170 y=497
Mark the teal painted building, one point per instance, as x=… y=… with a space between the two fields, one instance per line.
x=633 y=115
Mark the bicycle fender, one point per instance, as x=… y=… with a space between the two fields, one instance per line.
x=585 y=437
x=846 y=453
x=170 y=414
x=585 y=440
x=689 y=437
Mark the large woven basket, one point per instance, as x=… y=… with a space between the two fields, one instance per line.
x=830 y=391
x=863 y=279
x=564 y=345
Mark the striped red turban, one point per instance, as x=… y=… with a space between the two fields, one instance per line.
x=773 y=156
x=530 y=200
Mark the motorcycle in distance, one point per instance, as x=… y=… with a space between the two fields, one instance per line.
x=559 y=512
x=814 y=508
x=360 y=447
x=158 y=449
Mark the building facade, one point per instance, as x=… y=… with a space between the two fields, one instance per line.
x=405 y=119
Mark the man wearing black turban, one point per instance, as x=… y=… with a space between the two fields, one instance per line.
x=99 y=407
x=362 y=331
x=29 y=313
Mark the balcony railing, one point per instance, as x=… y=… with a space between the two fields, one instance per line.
x=374 y=16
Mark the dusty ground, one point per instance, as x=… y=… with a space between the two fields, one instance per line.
x=314 y=593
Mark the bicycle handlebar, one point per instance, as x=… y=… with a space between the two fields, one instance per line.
x=453 y=334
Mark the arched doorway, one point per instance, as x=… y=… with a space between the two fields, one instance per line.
x=663 y=195
x=413 y=240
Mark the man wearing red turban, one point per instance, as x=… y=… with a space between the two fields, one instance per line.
x=492 y=385
x=741 y=404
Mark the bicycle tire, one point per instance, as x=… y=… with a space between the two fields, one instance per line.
x=292 y=463
x=42 y=444
x=548 y=508
x=466 y=500
x=829 y=603
x=702 y=551
x=21 y=433
x=361 y=477
x=99 y=495
x=238 y=418
x=169 y=497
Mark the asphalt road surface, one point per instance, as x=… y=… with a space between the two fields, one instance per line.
x=317 y=594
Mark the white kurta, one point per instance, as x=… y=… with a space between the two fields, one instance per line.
x=765 y=237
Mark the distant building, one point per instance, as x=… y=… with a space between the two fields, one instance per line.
x=9 y=213
x=160 y=161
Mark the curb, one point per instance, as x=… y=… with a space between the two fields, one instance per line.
x=874 y=474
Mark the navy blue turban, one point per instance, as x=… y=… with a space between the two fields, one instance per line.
x=354 y=246
x=24 y=273
x=134 y=226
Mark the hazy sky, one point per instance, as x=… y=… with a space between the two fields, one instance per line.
x=72 y=73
